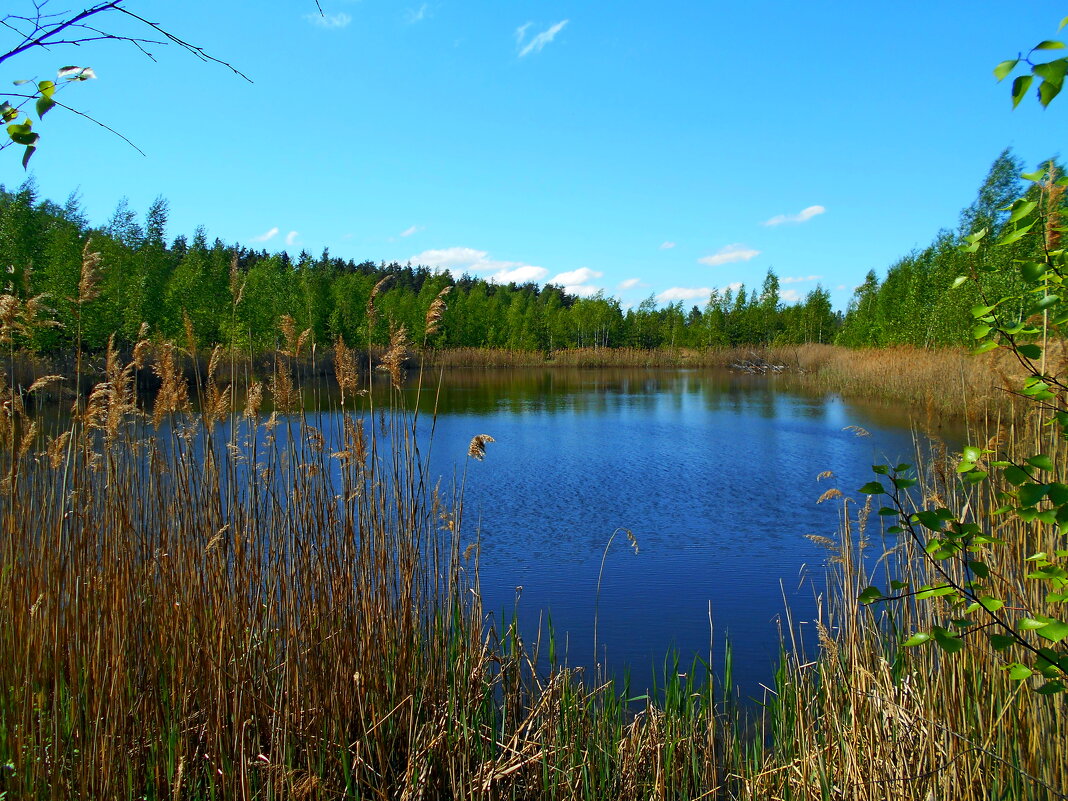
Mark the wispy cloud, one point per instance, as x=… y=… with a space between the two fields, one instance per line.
x=630 y=283
x=409 y=231
x=667 y=246
x=684 y=293
x=802 y=216
x=330 y=21
x=790 y=295
x=729 y=255
x=518 y=275
x=536 y=44
x=266 y=236
x=415 y=15
x=799 y=279
x=579 y=276
x=470 y=260
x=291 y=238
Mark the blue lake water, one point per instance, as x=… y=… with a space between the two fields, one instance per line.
x=715 y=474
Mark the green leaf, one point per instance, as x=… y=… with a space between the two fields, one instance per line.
x=1049 y=45
x=1033 y=270
x=1018 y=672
x=981 y=311
x=28 y=139
x=1051 y=688
x=46 y=88
x=972 y=453
x=1021 y=208
x=1019 y=88
x=1054 y=631
x=1002 y=70
x=948 y=641
x=987 y=346
x=1030 y=350
x=965 y=467
x=28 y=154
x=960 y=279
x=870 y=595
x=1030 y=624
x=1030 y=494
x=1063 y=23
x=1047 y=301
x=44 y=105
x=999 y=642
x=935 y=592
x=919 y=638
x=980 y=569
x=1041 y=461
x=1034 y=177
x=873 y=488
x=1016 y=234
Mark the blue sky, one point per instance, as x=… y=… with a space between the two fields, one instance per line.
x=637 y=148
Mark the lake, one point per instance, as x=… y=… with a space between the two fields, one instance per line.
x=714 y=473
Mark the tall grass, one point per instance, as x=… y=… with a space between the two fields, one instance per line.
x=871 y=720
x=203 y=600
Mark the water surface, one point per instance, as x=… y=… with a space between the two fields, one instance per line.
x=714 y=473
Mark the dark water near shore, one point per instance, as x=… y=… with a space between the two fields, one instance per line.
x=714 y=473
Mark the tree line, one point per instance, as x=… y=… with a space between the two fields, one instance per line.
x=916 y=303
x=235 y=295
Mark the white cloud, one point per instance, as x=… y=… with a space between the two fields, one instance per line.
x=416 y=15
x=582 y=290
x=800 y=279
x=579 y=276
x=841 y=287
x=469 y=260
x=729 y=254
x=790 y=295
x=802 y=216
x=630 y=283
x=684 y=293
x=536 y=44
x=462 y=259
x=412 y=230
x=339 y=20
x=518 y=275
x=291 y=238
x=521 y=33
x=266 y=236
x=667 y=246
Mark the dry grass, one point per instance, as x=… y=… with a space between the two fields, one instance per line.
x=869 y=720
x=201 y=604
x=941 y=382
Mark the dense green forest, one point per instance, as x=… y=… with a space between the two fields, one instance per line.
x=236 y=296
x=916 y=303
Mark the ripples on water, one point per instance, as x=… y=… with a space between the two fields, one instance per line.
x=714 y=473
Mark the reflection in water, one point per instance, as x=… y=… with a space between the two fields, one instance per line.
x=713 y=472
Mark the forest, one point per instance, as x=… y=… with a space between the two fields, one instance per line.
x=234 y=295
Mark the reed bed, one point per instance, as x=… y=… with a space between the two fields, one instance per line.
x=207 y=601
x=203 y=599
x=942 y=382
x=870 y=720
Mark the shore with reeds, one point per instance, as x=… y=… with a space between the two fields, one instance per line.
x=212 y=601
